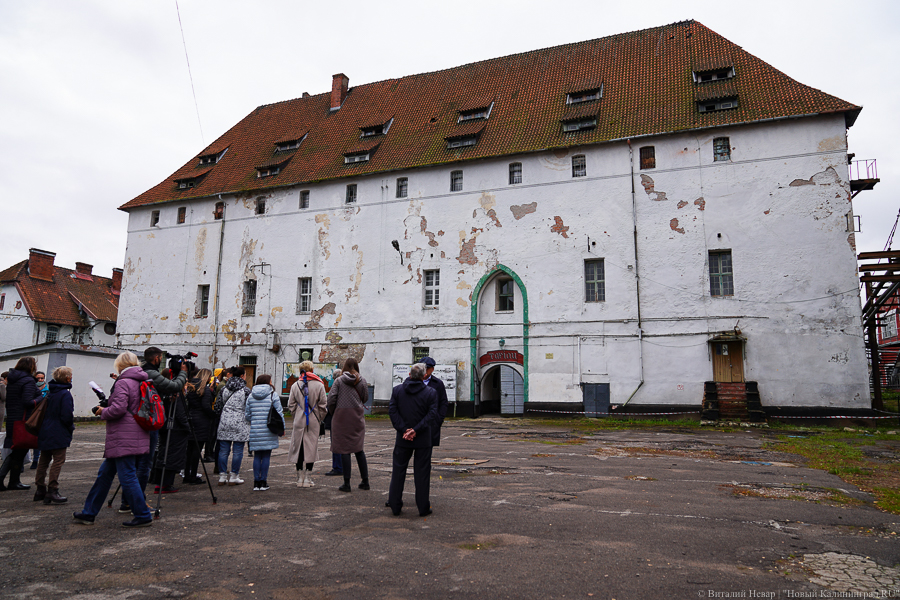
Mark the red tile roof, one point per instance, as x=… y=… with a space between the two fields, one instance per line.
x=58 y=301
x=648 y=89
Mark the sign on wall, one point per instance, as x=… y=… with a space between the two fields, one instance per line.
x=509 y=356
x=291 y=374
x=446 y=373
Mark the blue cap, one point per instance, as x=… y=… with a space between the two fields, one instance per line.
x=428 y=361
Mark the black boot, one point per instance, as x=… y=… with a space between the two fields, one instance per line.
x=346 y=486
x=41 y=493
x=53 y=497
x=14 y=475
x=5 y=468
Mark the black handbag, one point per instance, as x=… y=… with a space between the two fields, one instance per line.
x=275 y=422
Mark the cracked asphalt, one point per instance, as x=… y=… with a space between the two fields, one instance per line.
x=521 y=510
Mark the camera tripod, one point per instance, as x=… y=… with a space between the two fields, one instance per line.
x=170 y=425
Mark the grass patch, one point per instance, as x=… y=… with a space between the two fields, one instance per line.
x=840 y=454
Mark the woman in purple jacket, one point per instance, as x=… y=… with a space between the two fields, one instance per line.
x=125 y=441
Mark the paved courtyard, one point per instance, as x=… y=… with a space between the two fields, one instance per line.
x=521 y=510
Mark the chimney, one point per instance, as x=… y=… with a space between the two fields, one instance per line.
x=117 y=281
x=306 y=94
x=84 y=269
x=339 y=90
x=40 y=264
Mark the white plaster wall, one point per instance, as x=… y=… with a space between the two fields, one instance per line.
x=794 y=265
x=16 y=327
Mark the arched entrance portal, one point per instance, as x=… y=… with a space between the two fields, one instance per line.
x=502 y=391
x=499 y=334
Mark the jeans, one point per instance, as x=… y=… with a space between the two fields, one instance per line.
x=124 y=467
x=261 y=464
x=145 y=461
x=237 y=455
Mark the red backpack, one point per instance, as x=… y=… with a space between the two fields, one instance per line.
x=151 y=415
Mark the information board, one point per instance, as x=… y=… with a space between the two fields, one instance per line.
x=446 y=373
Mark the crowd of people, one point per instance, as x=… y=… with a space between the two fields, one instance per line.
x=209 y=417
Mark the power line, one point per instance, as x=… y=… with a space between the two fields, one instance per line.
x=190 y=76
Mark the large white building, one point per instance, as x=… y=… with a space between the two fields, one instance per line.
x=618 y=220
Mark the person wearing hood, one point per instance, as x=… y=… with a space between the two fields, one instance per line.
x=21 y=397
x=55 y=436
x=414 y=412
x=348 y=425
x=125 y=442
x=262 y=441
x=308 y=403
x=43 y=388
x=234 y=429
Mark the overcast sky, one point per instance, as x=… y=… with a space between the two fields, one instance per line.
x=96 y=103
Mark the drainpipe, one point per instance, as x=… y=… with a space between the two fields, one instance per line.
x=637 y=277
x=218 y=281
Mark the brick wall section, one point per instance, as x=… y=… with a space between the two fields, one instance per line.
x=40 y=264
x=339 y=86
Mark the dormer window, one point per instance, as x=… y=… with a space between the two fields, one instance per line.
x=716 y=75
x=373 y=130
x=462 y=142
x=355 y=158
x=186 y=184
x=584 y=96
x=717 y=104
x=290 y=142
x=482 y=112
x=213 y=158
x=580 y=124
x=267 y=171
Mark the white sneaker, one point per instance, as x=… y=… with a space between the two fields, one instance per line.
x=223 y=478
x=301 y=478
x=233 y=479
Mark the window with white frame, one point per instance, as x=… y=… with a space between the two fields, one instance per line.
x=716 y=105
x=721 y=275
x=432 y=288
x=580 y=124
x=515 y=173
x=579 y=166
x=304 y=294
x=351 y=194
x=52 y=333
x=304 y=199
x=889 y=324
x=584 y=96
x=202 y=308
x=462 y=142
x=402 y=187
x=505 y=295
x=154 y=218
x=594 y=281
x=355 y=158
x=248 y=306
x=709 y=76
x=721 y=149
x=456 y=181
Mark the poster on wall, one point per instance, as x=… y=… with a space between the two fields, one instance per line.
x=291 y=374
x=446 y=373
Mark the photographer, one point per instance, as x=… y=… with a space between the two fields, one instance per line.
x=165 y=387
x=173 y=440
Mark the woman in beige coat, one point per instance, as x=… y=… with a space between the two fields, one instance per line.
x=307 y=402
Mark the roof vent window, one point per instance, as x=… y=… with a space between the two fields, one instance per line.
x=267 y=171
x=462 y=142
x=717 y=75
x=584 y=96
x=580 y=125
x=355 y=158
x=482 y=112
x=211 y=159
x=184 y=185
x=288 y=145
x=717 y=105
x=373 y=130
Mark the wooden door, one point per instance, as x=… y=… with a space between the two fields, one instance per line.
x=728 y=362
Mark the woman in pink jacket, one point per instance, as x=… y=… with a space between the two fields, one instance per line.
x=125 y=441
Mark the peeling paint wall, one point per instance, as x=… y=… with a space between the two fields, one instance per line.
x=794 y=270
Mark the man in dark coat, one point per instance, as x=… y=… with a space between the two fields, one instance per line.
x=443 y=404
x=413 y=410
